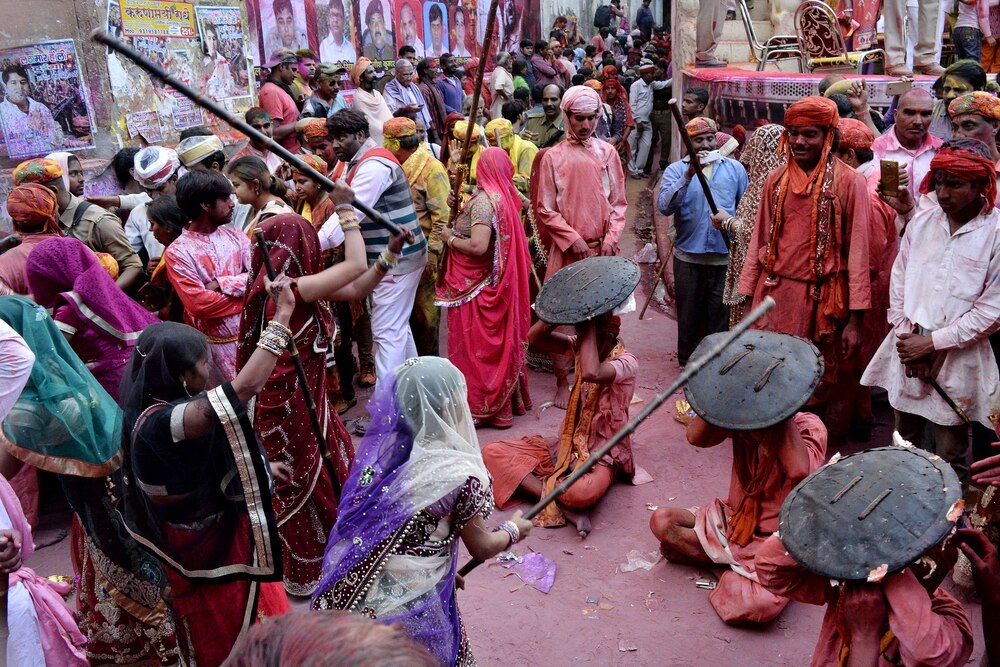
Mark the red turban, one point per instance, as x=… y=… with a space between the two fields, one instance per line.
x=966 y=165
x=32 y=205
x=855 y=134
x=809 y=112
x=610 y=72
x=814 y=112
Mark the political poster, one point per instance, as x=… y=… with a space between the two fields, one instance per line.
x=224 y=64
x=45 y=101
x=157 y=18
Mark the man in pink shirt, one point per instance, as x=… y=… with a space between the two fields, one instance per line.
x=276 y=97
x=578 y=198
x=910 y=142
x=750 y=395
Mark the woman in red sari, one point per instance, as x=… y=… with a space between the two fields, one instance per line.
x=484 y=283
x=305 y=505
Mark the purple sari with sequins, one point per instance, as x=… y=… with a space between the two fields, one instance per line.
x=393 y=552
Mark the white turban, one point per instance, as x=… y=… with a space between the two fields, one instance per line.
x=154 y=165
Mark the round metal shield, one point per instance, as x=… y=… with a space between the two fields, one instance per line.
x=871 y=513
x=586 y=289
x=760 y=380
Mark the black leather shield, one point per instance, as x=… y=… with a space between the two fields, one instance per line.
x=876 y=511
x=586 y=289
x=760 y=380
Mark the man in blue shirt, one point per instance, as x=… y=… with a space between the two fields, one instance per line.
x=700 y=252
x=450 y=83
x=644 y=20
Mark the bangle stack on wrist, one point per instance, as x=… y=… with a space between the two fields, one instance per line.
x=274 y=338
x=348 y=217
x=727 y=224
x=386 y=261
x=511 y=529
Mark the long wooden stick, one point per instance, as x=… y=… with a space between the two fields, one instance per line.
x=219 y=111
x=659 y=277
x=949 y=400
x=491 y=20
x=4 y=622
x=693 y=368
x=300 y=371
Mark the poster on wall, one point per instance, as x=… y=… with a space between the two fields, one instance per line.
x=45 y=101
x=335 y=30
x=224 y=64
x=156 y=18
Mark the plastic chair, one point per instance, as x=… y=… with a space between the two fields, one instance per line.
x=775 y=49
x=822 y=43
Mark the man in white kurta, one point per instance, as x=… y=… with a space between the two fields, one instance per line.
x=945 y=294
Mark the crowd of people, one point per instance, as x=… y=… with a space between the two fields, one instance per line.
x=189 y=402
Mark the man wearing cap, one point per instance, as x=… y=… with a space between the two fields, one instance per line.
x=380 y=182
x=499 y=132
x=94 y=226
x=276 y=97
x=336 y=47
x=605 y=383
x=547 y=127
x=810 y=247
x=325 y=99
x=976 y=115
x=580 y=203
x=751 y=395
x=156 y=170
x=429 y=187
x=640 y=99
x=368 y=101
x=910 y=142
x=944 y=303
x=875 y=559
x=700 y=251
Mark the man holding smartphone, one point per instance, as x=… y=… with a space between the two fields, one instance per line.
x=910 y=143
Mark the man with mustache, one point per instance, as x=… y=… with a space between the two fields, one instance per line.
x=379 y=49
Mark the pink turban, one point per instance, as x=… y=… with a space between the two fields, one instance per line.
x=580 y=99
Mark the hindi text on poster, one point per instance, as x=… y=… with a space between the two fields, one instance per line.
x=154 y=18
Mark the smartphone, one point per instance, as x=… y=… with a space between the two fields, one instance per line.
x=897 y=88
x=890 y=177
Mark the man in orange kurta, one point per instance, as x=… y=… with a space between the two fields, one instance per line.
x=580 y=206
x=810 y=247
x=598 y=408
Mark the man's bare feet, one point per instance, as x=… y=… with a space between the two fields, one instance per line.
x=579 y=519
x=561 y=399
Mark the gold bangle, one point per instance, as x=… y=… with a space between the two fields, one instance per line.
x=278 y=328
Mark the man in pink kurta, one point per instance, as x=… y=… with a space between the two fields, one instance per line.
x=207 y=266
x=580 y=209
x=578 y=198
x=926 y=629
x=810 y=246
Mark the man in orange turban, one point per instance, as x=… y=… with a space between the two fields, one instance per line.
x=809 y=249
x=367 y=100
x=34 y=213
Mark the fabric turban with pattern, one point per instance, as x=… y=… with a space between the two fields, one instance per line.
x=580 y=99
x=314 y=161
x=594 y=84
x=33 y=205
x=154 y=165
x=399 y=128
x=854 y=134
x=314 y=128
x=38 y=170
x=462 y=126
x=497 y=129
x=979 y=102
x=812 y=112
x=698 y=126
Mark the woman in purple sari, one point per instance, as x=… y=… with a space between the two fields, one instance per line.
x=417 y=484
x=101 y=322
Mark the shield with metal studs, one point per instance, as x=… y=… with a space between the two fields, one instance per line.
x=765 y=379
x=870 y=514
x=586 y=289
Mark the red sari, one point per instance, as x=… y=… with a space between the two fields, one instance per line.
x=306 y=505
x=487 y=297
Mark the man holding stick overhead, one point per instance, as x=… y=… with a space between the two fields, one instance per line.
x=700 y=252
x=774 y=448
x=809 y=249
x=580 y=203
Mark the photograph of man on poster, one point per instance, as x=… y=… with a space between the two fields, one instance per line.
x=282 y=26
x=435 y=28
x=408 y=27
x=379 y=46
x=459 y=23
x=337 y=47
